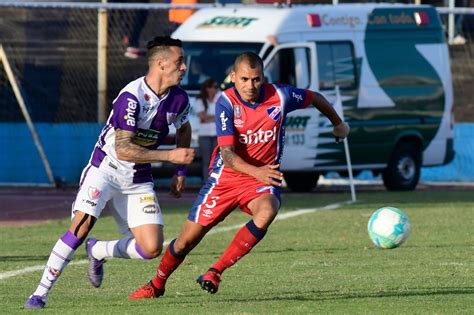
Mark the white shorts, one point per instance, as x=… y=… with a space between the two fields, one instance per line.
x=132 y=204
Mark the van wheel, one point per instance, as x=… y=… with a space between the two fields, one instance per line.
x=403 y=170
x=301 y=181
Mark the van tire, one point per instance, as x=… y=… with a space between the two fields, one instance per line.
x=403 y=169
x=301 y=181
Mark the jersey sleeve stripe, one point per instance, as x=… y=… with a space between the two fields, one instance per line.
x=308 y=98
x=280 y=139
x=224 y=96
x=225 y=140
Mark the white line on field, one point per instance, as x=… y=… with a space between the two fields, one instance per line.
x=283 y=216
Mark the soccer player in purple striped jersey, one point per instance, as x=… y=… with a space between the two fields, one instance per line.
x=244 y=171
x=119 y=171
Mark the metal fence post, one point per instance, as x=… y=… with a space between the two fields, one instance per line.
x=102 y=65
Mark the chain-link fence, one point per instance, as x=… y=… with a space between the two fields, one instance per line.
x=53 y=51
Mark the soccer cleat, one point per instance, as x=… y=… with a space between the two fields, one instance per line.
x=35 y=302
x=95 y=271
x=148 y=291
x=210 y=280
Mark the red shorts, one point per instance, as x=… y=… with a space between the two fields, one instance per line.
x=219 y=197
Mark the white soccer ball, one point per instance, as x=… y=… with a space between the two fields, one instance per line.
x=388 y=227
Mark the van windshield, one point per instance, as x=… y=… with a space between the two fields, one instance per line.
x=211 y=60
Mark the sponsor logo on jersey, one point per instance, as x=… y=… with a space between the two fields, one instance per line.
x=150 y=209
x=149 y=107
x=223 y=121
x=237 y=111
x=239 y=123
x=274 y=112
x=207 y=213
x=94 y=193
x=131 y=109
x=90 y=202
x=147 y=198
x=146 y=137
x=237 y=115
x=171 y=117
x=298 y=97
x=259 y=136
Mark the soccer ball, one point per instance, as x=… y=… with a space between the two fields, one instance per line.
x=388 y=227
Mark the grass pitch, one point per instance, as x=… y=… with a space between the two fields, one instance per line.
x=319 y=262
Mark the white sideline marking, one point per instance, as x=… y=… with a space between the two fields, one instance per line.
x=14 y=273
x=284 y=216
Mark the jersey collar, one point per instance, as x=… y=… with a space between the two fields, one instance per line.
x=155 y=97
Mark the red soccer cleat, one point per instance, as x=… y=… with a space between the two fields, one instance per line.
x=210 y=280
x=148 y=291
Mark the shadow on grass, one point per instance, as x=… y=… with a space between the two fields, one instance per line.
x=24 y=258
x=315 y=295
x=333 y=295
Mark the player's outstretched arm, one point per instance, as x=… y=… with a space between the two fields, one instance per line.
x=267 y=174
x=340 y=128
x=128 y=151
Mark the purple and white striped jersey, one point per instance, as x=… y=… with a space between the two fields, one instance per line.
x=138 y=109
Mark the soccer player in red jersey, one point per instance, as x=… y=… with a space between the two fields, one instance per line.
x=244 y=170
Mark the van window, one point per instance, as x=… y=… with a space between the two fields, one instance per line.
x=211 y=60
x=336 y=65
x=290 y=66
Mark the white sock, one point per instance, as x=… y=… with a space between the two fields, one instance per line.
x=60 y=256
x=123 y=248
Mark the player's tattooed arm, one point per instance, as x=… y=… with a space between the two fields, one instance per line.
x=267 y=174
x=128 y=151
x=229 y=156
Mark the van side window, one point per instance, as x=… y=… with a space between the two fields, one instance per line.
x=290 y=66
x=336 y=65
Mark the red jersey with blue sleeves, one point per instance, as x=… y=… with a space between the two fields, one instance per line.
x=255 y=130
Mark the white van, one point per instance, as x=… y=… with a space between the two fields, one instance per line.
x=388 y=62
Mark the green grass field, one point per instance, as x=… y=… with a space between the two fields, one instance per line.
x=319 y=262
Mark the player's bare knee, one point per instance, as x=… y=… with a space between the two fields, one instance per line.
x=82 y=224
x=151 y=250
x=264 y=217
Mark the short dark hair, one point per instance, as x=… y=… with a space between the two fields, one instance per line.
x=252 y=58
x=160 y=44
x=163 y=41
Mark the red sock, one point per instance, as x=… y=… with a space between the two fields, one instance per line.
x=245 y=239
x=169 y=262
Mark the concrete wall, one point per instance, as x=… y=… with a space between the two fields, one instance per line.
x=67 y=146
x=461 y=168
